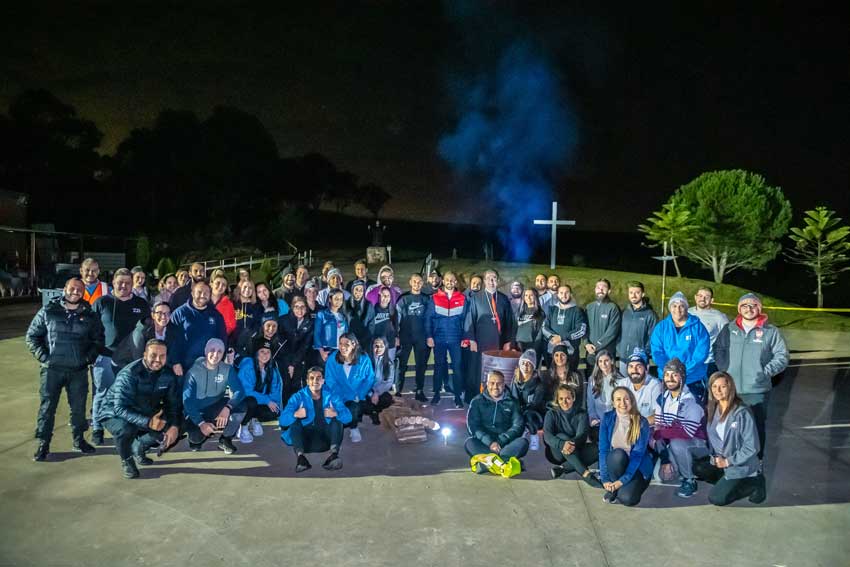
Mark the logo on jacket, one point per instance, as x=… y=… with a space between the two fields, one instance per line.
x=219 y=378
x=212 y=321
x=136 y=310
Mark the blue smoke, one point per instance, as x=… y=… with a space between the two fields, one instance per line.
x=516 y=133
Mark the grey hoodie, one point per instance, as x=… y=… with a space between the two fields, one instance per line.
x=636 y=327
x=204 y=387
x=740 y=445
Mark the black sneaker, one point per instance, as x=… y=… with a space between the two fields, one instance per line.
x=420 y=396
x=332 y=463
x=81 y=446
x=375 y=419
x=97 y=437
x=195 y=447
x=759 y=495
x=129 y=468
x=609 y=497
x=480 y=468
x=557 y=471
x=303 y=464
x=458 y=403
x=42 y=451
x=142 y=459
x=226 y=444
x=435 y=400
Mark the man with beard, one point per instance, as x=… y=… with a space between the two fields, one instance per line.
x=636 y=324
x=361 y=272
x=90 y=274
x=198 y=273
x=444 y=319
x=435 y=279
x=490 y=325
x=119 y=314
x=386 y=279
x=495 y=423
x=603 y=322
x=516 y=291
x=65 y=336
x=197 y=322
x=565 y=323
x=287 y=289
x=142 y=408
x=713 y=319
x=643 y=385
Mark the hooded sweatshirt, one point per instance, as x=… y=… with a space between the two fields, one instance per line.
x=204 y=387
x=636 y=327
x=690 y=344
x=560 y=426
x=194 y=328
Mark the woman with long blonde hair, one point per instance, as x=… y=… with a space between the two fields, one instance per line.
x=625 y=463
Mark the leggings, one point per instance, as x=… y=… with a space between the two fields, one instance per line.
x=727 y=490
x=578 y=461
x=259 y=411
x=630 y=493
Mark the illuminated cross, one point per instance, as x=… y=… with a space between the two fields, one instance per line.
x=555 y=224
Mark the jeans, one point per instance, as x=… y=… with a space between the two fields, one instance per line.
x=130 y=438
x=516 y=448
x=356 y=410
x=630 y=493
x=317 y=437
x=209 y=414
x=76 y=384
x=577 y=461
x=103 y=376
x=259 y=411
x=421 y=351
x=441 y=367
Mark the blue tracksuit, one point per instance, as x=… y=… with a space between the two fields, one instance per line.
x=302 y=398
x=248 y=378
x=356 y=385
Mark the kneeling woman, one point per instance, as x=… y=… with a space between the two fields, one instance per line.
x=380 y=398
x=565 y=434
x=263 y=387
x=312 y=422
x=625 y=463
x=734 y=443
x=349 y=375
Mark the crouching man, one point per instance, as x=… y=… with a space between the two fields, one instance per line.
x=495 y=423
x=207 y=407
x=142 y=408
x=313 y=420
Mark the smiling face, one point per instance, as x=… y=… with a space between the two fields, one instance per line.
x=213 y=357
x=198 y=272
x=605 y=364
x=90 y=271
x=564 y=295
x=263 y=293
x=703 y=299
x=122 y=286
x=601 y=290
x=263 y=356
x=183 y=278
x=554 y=282
x=74 y=290
x=415 y=283
x=637 y=372
x=315 y=381
x=289 y=280
x=540 y=283
x=450 y=282
x=559 y=358
x=622 y=402
x=346 y=348
x=360 y=271
x=672 y=380
x=269 y=328
x=299 y=308
x=170 y=283
x=336 y=301
x=200 y=295
x=635 y=296
x=385 y=298
x=246 y=290
x=720 y=389
x=139 y=279
x=678 y=312
x=529 y=299
x=495 y=385
x=357 y=292
x=219 y=286
x=566 y=399
x=155 y=356
x=161 y=314
x=379 y=347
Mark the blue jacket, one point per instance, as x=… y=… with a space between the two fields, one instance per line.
x=303 y=398
x=325 y=329
x=248 y=378
x=194 y=329
x=640 y=459
x=205 y=387
x=356 y=385
x=444 y=317
x=691 y=345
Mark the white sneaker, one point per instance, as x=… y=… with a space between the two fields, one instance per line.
x=256 y=428
x=355 y=435
x=245 y=435
x=534 y=442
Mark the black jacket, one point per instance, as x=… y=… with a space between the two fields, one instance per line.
x=66 y=339
x=299 y=340
x=489 y=420
x=560 y=426
x=410 y=309
x=531 y=395
x=138 y=394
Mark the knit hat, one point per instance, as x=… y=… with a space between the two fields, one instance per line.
x=214 y=344
x=638 y=356
x=677 y=297
x=356 y=283
x=530 y=356
x=677 y=366
x=751 y=297
x=268 y=316
x=565 y=348
x=310 y=285
x=262 y=343
x=334 y=272
x=385 y=268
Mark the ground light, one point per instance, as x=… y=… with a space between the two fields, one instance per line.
x=446 y=433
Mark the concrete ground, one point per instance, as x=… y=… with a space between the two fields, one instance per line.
x=393 y=504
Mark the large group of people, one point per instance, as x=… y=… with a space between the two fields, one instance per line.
x=205 y=358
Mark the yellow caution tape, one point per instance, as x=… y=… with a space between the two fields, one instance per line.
x=778 y=308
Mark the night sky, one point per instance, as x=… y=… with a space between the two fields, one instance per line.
x=658 y=96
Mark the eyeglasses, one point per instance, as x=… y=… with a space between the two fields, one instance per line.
x=161 y=314
x=749 y=306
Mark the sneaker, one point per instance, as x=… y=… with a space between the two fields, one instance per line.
x=688 y=488
x=332 y=463
x=534 y=442
x=81 y=446
x=435 y=401
x=355 y=435
x=759 y=495
x=480 y=468
x=557 y=471
x=256 y=428
x=245 y=436
x=375 y=419
x=303 y=464
x=226 y=444
x=128 y=466
x=398 y=394
x=139 y=455
x=458 y=403
x=592 y=480
x=42 y=451
x=195 y=447
x=97 y=437
x=609 y=497
x=420 y=396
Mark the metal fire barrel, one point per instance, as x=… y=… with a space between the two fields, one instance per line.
x=505 y=361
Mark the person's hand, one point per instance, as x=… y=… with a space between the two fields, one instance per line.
x=301 y=412
x=207 y=429
x=374 y=399
x=594 y=422
x=721 y=462
x=555 y=340
x=170 y=435
x=473 y=346
x=506 y=346
x=666 y=470
x=591 y=349
x=274 y=407
x=617 y=485
x=495 y=447
x=177 y=369
x=156 y=422
x=291 y=371
x=222 y=417
x=568 y=448
x=330 y=412
x=430 y=343
x=231 y=354
x=324 y=354
x=397 y=342
x=609 y=486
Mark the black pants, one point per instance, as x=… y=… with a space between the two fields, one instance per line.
x=259 y=411
x=533 y=421
x=698 y=390
x=356 y=409
x=130 y=437
x=758 y=405
x=317 y=437
x=578 y=461
x=516 y=448
x=726 y=490
x=76 y=384
x=421 y=352
x=209 y=414
x=298 y=380
x=472 y=374
x=630 y=493
x=385 y=400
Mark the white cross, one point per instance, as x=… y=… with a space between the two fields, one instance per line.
x=555 y=224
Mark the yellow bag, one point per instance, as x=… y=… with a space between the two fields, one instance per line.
x=496 y=465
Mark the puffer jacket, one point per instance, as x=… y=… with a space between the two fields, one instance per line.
x=66 y=339
x=138 y=393
x=490 y=420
